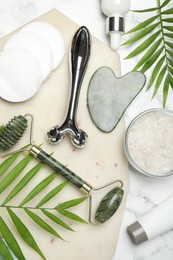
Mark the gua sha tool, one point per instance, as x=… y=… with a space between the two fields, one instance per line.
x=13 y=131
x=80 y=52
x=108 y=96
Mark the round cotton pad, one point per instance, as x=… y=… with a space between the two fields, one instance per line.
x=20 y=75
x=52 y=35
x=37 y=45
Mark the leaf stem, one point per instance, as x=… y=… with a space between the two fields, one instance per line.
x=163 y=35
x=25 y=207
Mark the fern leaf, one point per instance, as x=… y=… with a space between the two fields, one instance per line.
x=70 y=203
x=10 y=240
x=56 y=219
x=14 y=173
x=8 y=243
x=141 y=34
x=23 y=182
x=42 y=223
x=71 y=215
x=156 y=71
x=5 y=250
x=143 y=24
x=152 y=59
x=25 y=233
x=51 y=194
x=38 y=189
x=162 y=72
x=147 y=55
x=165 y=3
x=7 y=163
x=143 y=45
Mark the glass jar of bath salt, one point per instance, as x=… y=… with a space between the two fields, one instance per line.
x=149 y=142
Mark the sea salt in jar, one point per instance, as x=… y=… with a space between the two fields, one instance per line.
x=149 y=142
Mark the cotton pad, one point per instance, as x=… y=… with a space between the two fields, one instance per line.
x=37 y=45
x=53 y=37
x=20 y=75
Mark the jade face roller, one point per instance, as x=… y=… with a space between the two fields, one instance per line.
x=80 y=52
x=12 y=132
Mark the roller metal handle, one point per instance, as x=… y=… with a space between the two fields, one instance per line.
x=79 y=56
x=60 y=168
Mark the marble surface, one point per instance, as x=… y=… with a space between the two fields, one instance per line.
x=144 y=192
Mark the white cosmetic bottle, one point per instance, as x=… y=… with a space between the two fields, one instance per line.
x=154 y=223
x=115 y=11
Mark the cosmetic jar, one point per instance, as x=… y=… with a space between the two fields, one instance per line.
x=148 y=142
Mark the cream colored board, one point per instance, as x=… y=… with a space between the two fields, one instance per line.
x=101 y=161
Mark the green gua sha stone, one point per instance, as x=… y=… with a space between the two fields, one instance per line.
x=109 y=204
x=108 y=96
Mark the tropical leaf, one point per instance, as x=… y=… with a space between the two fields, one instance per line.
x=9 y=172
x=157 y=47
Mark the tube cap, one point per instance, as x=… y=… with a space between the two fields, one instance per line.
x=137 y=233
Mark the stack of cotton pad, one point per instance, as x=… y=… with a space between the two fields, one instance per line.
x=27 y=60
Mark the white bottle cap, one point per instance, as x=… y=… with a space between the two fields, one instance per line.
x=115 y=40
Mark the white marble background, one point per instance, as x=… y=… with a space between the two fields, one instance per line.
x=144 y=192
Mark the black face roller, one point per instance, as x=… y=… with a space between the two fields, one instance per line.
x=12 y=132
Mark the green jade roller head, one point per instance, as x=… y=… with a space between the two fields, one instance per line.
x=13 y=131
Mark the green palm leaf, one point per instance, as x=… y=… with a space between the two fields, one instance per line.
x=157 y=47
x=4 y=250
x=10 y=240
x=24 y=232
x=42 y=223
x=8 y=244
x=38 y=189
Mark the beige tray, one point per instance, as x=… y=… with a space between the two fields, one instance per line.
x=101 y=161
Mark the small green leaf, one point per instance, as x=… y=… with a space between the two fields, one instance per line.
x=24 y=232
x=168 y=20
x=168 y=11
x=170 y=80
x=165 y=90
x=169 y=44
x=170 y=35
x=169 y=28
x=146 y=10
x=70 y=203
x=71 y=215
x=23 y=182
x=143 y=45
x=51 y=194
x=148 y=54
x=159 y=79
x=143 y=24
x=170 y=62
x=141 y=34
x=14 y=173
x=170 y=53
x=7 y=163
x=156 y=71
x=4 y=251
x=152 y=59
x=165 y=3
x=42 y=223
x=10 y=240
x=38 y=189
x=56 y=219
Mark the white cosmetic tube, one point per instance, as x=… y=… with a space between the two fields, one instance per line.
x=154 y=223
